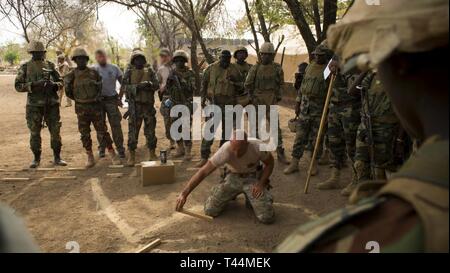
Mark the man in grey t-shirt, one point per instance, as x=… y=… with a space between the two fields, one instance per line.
x=111 y=74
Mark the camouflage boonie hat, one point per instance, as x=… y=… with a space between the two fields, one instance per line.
x=36 y=46
x=239 y=49
x=369 y=34
x=164 y=52
x=137 y=53
x=79 y=52
x=181 y=54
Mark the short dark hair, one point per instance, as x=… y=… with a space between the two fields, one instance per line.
x=100 y=51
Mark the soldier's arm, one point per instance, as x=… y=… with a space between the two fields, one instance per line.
x=205 y=82
x=269 y=164
x=154 y=81
x=249 y=84
x=20 y=83
x=68 y=85
x=280 y=83
x=192 y=85
x=56 y=77
x=201 y=174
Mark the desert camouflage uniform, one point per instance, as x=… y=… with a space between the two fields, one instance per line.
x=343 y=121
x=85 y=88
x=264 y=84
x=145 y=109
x=384 y=130
x=221 y=92
x=42 y=105
x=183 y=96
x=234 y=185
x=244 y=68
x=314 y=91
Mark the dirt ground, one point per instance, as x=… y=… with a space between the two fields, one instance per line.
x=104 y=214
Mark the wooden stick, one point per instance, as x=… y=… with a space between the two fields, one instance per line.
x=77 y=169
x=60 y=178
x=116 y=166
x=13 y=179
x=45 y=169
x=115 y=175
x=197 y=215
x=321 y=129
x=150 y=246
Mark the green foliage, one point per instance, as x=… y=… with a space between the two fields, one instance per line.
x=11 y=53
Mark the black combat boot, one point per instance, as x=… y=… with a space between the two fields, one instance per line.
x=36 y=161
x=57 y=158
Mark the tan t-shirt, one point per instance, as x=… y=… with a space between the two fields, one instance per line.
x=247 y=163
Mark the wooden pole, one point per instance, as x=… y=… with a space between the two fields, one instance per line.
x=150 y=246
x=197 y=215
x=323 y=121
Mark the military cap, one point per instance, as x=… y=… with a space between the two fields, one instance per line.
x=369 y=34
x=181 y=54
x=267 y=48
x=225 y=53
x=79 y=52
x=36 y=46
x=164 y=52
x=240 y=49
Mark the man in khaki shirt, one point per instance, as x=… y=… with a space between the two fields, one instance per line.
x=242 y=159
x=63 y=68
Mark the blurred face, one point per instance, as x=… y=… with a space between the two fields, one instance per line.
x=38 y=55
x=238 y=147
x=225 y=61
x=139 y=62
x=266 y=58
x=320 y=58
x=101 y=59
x=164 y=59
x=241 y=56
x=81 y=62
x=180 y=63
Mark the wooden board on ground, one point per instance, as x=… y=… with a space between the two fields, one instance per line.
x=197 y=215
x=150 y=246
x=60 y=178
x=114 y=175
x=116 y=166
x=77 y=169
x=12 y=179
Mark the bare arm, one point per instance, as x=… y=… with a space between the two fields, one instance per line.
x=258 y=188
x=204 y=172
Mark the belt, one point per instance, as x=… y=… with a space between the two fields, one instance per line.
x=110 y=98
x=245 y=175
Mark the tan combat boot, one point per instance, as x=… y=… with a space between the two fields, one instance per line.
x=187 y=153
x=201 y=163
x=357 y=174
x=115 y=160
x=90 y=160
x=180 y=150
x=332 y=182
x=293 y=167
x=152 y=155
x=325 y=159
x=282 y=156
x=131 y=159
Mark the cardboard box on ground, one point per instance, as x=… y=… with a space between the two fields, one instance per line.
x=156 y=173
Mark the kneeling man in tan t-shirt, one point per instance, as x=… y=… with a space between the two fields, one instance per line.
x=242 y=158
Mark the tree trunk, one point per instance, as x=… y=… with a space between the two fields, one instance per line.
x=262 y=21
x=302 y=24
x=194 y=65
x=329 y=16
x=252 y=26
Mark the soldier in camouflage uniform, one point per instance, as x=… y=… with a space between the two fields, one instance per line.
x=242 y=158
x=343 y=121
x=410 y=212
x=241 y=55
x=221 y=83
x=40 y=80
x=314 y=91
x=140 y=84
x=84 y=85
x=264 y=83
x=180 y=91
x=63 y=68
x=384 y=131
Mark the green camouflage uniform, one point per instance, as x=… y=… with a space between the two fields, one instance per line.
x=183 y=93
x=409 y=213
x=384 y=129
x=219 y=90
x=145 y=109
x=314 y=91
x=234 y=185
x=343 y=120
x=85 y=88
x=244 y=68
x=42 y=105
x=264 y=84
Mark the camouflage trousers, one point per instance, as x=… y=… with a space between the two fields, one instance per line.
x=384 y=135
x=165 y=112
x=305 y=137
x=234 y=185
x=343 y=123
x=111 y=110
x=35 y=115
x=187 y=142
x=88 y=114
x=145 y=113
